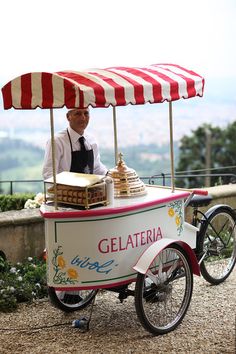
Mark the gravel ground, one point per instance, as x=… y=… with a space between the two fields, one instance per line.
x=208 y=327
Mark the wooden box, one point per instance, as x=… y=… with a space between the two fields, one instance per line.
x=77 y=189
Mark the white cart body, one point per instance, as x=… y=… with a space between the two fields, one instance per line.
x=99 y=247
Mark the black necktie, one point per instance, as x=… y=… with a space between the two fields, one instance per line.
x=82 y=146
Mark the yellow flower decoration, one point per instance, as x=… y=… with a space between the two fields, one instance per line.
x=177 y=220
x=171 y=212
x=72 y=273
x=61 y=262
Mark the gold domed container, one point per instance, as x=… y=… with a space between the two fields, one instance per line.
x=126 y=181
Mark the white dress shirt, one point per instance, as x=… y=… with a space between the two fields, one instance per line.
x=63 y=153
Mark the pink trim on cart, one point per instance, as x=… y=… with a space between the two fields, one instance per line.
x=111 y=211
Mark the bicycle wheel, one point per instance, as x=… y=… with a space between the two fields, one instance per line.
x=217 y=245
x=163 y=294
x=69 y=301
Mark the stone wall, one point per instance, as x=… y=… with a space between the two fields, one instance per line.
x=225 y=194
x=22 y=232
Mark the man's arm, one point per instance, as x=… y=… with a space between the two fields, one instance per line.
x=47 y=164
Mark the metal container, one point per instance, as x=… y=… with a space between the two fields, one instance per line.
x=126 y=181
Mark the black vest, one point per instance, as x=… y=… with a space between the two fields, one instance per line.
x=81 y=161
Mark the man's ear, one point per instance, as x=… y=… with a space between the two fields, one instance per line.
x=68 y=116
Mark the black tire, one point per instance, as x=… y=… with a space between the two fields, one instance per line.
x=69 y=301
x=217 y=244
x=163 y=294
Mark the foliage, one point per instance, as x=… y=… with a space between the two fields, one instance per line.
x=22 y=184
x=17 y=152
x=15 y=201
x=193 y=152
x=19 y=159
x=21 y=282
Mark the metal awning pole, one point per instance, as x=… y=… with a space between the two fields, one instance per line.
x=115 y=136
x=53 y=159
x=171 y=148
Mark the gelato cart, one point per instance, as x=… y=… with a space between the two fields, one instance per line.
x=114 y=232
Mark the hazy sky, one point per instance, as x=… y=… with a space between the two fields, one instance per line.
x=53 y=35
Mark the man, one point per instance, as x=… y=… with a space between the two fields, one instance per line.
x=75 y=151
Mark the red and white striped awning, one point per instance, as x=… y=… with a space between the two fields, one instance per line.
x=116 y=86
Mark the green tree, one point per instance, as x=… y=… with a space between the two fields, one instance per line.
x=227 y=155
x=206 y=142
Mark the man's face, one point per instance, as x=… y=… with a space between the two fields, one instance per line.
x=78 y=119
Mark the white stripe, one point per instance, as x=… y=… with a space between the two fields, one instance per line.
x=36 y=84
x=77 y=98
x=109 y=91
x=178 y=70
x=16 y=92
x=147 y=86
x=182 y=84
x=89 y=96
x=165 y=85
x=77 y=101
x=198 y=81
x=58 y=91
x=129 y=90
x=199 y=87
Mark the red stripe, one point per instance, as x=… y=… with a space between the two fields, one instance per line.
x=157 y=92
x=190 y=82
x=69 y=94
x=200 y=192
x=156 y=86
x=7 y=97
x=180 y=67
x=138 y=88
x=118 y=89
x=26 y=91
x=190 y=86
x=203 y=85
x=81 y=80
x=174 y=86
x=47 y=90
x=195 y=74
x=99 y=91
x=81 y=99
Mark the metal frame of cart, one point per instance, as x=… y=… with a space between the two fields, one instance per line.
x=114 y=244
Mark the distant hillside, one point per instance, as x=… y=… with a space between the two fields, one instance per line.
x=19 y=160
x=16 y=152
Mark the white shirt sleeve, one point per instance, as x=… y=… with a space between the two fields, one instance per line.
x=62 y=155
x=47 y=164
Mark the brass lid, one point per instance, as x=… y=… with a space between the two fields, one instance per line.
x=126 y=180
